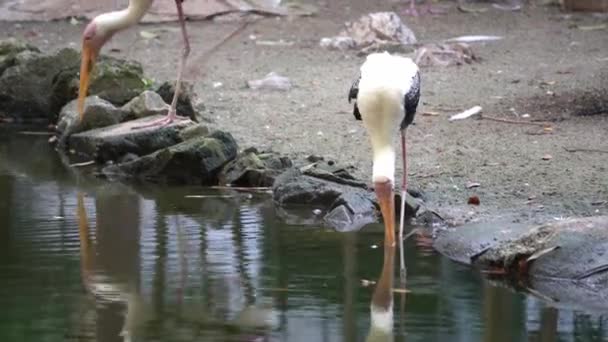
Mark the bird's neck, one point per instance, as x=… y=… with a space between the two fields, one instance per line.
x=384 y=161
x=119 y=20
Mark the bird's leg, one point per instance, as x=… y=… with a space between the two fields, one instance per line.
x=426 y=9
x=403 y=196
x=412 y=9
x=172 y=114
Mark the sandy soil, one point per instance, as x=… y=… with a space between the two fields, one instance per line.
x=543 y=53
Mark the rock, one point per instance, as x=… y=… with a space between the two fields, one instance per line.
x=351 y=211
x=251 y=169
x=195 y=161
x=117 y=80
x=98 y=113
x=272 y=81
x=373 y=31
x=193 y=131
x=185 y=102
x=338 y=43
x=572 y=249
x=35 y=86
x=347 y=204
x=466 y=243
x=564 y=261
x=146 y=104
x=444 y=54
x=9 y=48
x=26 y=88
x=113 y=142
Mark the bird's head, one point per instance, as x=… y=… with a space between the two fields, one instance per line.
x=93 y=38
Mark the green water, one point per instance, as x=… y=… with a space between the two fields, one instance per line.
x=86 y=260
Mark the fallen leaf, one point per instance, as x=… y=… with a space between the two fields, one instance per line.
x=471 y=185
x=593 y=27
x=148 y=35
x=466 y=114
x=474 y=200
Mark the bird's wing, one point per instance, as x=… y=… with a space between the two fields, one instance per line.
x=352 y=95
x=410 y=102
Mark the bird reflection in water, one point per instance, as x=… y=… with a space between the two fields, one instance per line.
x=381 y=308
x=107 y=291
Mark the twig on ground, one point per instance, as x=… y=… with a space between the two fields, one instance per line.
x=515 y=122
x=571 y=149
x=87 y=163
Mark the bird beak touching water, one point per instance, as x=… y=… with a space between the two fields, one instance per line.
x=386 y=198
x=89 y=53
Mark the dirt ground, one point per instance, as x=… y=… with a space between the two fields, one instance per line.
x=546 y=67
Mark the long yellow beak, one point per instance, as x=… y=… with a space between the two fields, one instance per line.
x=86 y=65
x=386 y=198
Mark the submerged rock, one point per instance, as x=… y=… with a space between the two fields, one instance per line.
x=564 y=261
x=113 y=142
x=346 y=204
x=194 y=161
x=252 y=169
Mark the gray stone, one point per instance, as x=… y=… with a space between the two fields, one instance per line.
x=193 y=131
x=195 y=161
x=117 y=80
x=251 y=169
x=347 y=203
x=35 y=85
x=113 y=142
x=98 y=113
x=185 y=102
x=465 y=243
x=351 y=211
x=26 y=88
x=9 y=48
x=146 y=104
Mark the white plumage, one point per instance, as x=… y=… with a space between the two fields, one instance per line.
x=385 y=80
x=386 y=97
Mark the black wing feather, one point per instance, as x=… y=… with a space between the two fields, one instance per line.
x=410 y=102
x=352 y=95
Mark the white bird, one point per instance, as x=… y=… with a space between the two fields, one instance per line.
x=386 y=97
x=103 y=27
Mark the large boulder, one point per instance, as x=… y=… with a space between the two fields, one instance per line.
x=9 y=48
x=254 y=169
x=564 y=260
x=35 y=85
x=111 y=143
x=342 y=202
x=26 y=86
x=194 y=161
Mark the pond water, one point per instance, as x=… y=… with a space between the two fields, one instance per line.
x=87 y=260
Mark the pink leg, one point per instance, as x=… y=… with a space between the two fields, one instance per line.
x=403 y=195
x=412 y=9
x=172 y=114
x=427 y=9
